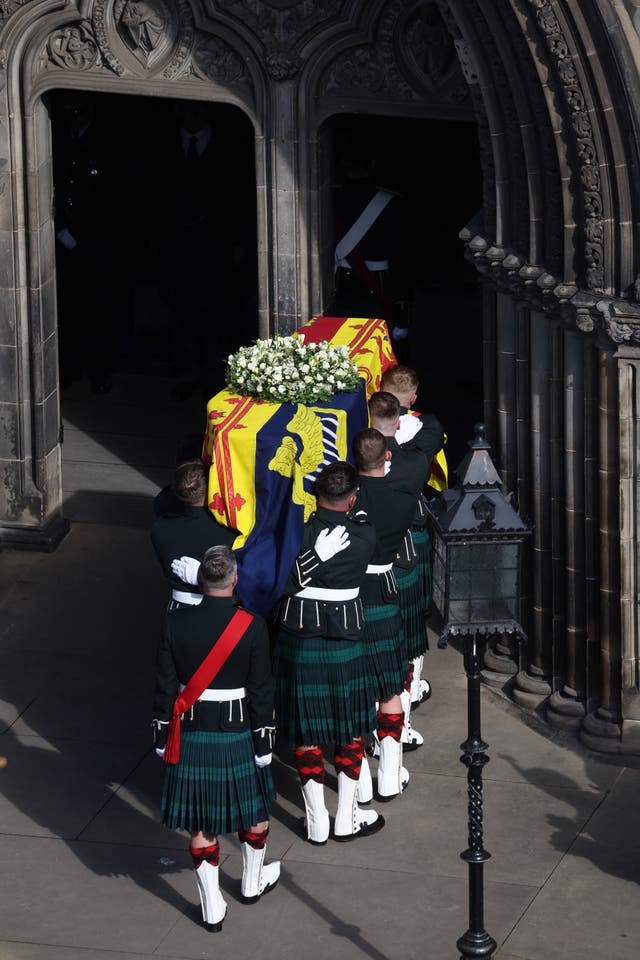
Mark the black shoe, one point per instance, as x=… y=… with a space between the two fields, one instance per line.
x=366 y=830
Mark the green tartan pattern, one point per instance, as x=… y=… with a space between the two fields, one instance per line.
x=215 y=786
x=411 y=601
x=385 y=648
x=422 y=543
x=322 y=690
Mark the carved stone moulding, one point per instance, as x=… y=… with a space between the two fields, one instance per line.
x=130 y=38
x=413 y=58
x=588 y=175
x=507 y=270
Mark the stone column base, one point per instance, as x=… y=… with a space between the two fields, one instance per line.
x=565 y=711
x=600 y=731
x=15 y=536
x=530 y=692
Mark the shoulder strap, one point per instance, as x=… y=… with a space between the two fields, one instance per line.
x=363 y=224
x=208 y=669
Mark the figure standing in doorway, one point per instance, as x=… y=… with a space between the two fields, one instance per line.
x=204 y=247
x=85 y=260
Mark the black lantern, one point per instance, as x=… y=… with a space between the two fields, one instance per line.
x=477 y=540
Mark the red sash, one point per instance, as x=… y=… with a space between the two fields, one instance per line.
x=208 y=669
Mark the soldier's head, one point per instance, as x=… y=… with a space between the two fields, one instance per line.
x=402 y=382
x=337 y=486
x=190 y=483
x=370 y=452
x=384 y=413
x=218 y=571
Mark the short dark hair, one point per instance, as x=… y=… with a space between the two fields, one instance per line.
x=369 y=449
x=190 y=483
x=336 y=482
x=384 y=406
x=218 y=567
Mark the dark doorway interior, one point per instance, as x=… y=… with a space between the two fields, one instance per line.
x=156 y=261
x=156 y=234
x=432 y=168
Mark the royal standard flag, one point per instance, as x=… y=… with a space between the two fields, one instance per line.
x=264 y=458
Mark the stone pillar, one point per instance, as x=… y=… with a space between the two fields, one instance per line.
x=602 y=728
x=500 y=663
x=615 y=725
x=287 y=269
x=533 y=684
x=566 y=707
x=629 y=400
x=489 y=362
x=30 y=464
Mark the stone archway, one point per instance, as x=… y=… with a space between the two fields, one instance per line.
x=554 y=85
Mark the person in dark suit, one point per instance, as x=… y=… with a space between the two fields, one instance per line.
x=221 y=782
x=85 y=243
x=205 y=243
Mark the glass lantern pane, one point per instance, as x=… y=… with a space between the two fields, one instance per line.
x=459 y=585
x=460 y=557
x=458 y=611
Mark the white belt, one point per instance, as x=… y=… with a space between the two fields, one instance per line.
x=376 y=266
x=213 y=693
x=379 y=567
x=181 y=596
x=325 y=593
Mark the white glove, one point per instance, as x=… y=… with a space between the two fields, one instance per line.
x=263 y=761
x=331 y=542
x=409 y=426
x=66 y=238
x=160 y=752
x=186 y=569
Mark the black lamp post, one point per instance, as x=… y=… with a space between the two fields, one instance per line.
x=477 y=543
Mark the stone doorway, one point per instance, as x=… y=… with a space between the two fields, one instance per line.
x=131 y=394
x=434 y=167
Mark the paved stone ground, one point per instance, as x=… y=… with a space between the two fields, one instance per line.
x=87 y=872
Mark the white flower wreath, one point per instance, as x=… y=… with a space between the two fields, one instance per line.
x=285 y=369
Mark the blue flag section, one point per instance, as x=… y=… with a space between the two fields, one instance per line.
x=291 y=448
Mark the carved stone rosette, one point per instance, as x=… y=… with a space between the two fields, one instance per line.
x=146 y=38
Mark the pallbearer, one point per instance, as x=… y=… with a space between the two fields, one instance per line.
x=323 y=690
x=390 y=510
x=214 y=726
x=425 y=432
x=408 y=469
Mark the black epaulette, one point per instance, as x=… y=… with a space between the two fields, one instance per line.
x=358 y=516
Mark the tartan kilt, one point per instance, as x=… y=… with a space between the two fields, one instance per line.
x=216 y=786
x=411 y=602
x=385 y=649
x=422 y=543
x=322 y=690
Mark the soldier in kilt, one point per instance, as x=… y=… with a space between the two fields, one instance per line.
x=187 y=527
x=425 y=432
x=221 y=782
x=323 y=692
x=390 y=510
x=408 y=470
